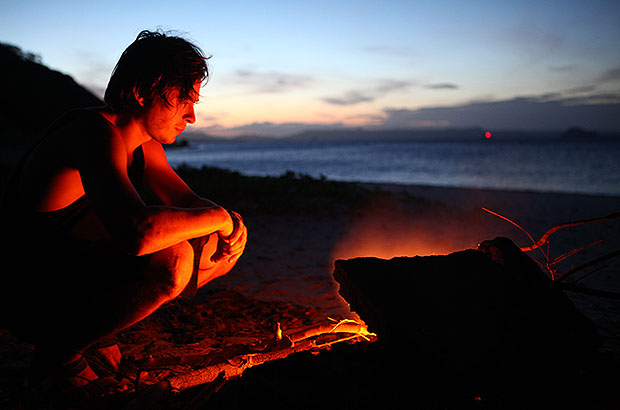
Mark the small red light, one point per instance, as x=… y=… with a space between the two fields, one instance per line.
x=487 y=135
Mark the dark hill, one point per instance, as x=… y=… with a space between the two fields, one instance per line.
x=33 y=96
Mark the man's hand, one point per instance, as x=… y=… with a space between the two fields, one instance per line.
x=232 y=247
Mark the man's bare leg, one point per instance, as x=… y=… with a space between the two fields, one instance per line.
x=105 y=308
x=121 y=305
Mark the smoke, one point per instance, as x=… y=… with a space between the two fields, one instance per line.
x=390 y=228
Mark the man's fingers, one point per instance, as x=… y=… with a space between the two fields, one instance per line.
x=239 y=229
x=232 y=247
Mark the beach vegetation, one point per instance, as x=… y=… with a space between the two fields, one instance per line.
x=289 y=192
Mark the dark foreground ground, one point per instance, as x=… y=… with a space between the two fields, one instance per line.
x=297 y=227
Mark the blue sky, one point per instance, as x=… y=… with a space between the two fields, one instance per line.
x=278 y=65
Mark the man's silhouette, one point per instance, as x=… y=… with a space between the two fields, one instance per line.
x=90 y=256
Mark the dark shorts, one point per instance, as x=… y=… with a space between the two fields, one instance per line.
x=50 y=278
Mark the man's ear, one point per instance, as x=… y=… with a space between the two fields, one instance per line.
x=139 y=99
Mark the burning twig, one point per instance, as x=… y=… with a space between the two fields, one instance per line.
x=343 y=326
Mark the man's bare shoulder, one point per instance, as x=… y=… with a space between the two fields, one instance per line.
x=153 y=148
x=78 y=137
x=87 y=121
x=75 y=128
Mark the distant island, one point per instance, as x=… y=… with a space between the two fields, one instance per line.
x=575 y=133
x=422 y=134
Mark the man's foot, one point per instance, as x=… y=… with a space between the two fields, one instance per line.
x=73 y=374
x=50 y=362
x=106 y=357
x=73 y=380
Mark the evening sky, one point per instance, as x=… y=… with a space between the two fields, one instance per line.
x=291 y=64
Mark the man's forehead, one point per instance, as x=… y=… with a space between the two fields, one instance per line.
x=174 y=92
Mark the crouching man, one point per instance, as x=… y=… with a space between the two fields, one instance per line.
x=91 y=257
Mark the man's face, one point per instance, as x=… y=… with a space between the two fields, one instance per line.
x=164 y=121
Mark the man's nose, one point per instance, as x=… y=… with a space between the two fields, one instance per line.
x=190 y=115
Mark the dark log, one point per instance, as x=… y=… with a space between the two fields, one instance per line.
x=482 y=316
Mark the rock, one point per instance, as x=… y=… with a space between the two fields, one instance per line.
x=486 y=319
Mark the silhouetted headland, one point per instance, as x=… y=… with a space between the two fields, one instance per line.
x=33 y=96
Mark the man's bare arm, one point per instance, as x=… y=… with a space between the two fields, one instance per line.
x=167 y=185
x=172 y=190
x=139 y=228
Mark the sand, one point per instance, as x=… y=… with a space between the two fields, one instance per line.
x=285 y=274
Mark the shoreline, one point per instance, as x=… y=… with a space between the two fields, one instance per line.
x=430 y=189
x=590 y=205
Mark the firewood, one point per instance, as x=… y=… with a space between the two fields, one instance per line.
x=293 y=341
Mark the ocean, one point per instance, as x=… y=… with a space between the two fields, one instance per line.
x=584 y=167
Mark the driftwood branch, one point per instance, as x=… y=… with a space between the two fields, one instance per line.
x=556 y=228
x=281 y=346
x=545 y=254
x=574 y=251
x=512 y=222
x=588 y=264
x=545 y=240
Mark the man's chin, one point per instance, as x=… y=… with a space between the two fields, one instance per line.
x=170 y=140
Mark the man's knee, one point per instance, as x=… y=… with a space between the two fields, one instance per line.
x=172 y=269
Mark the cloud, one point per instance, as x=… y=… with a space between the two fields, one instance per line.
x=580 y=90
x=612 y=74
x=541 y=113
x=384 y=87
x=388 y=86
x=266 y=129
x=366 y=119
x=442 y=86
x=593 y=99
x=271 y=82
x=350 y=98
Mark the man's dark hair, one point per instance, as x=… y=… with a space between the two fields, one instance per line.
x=152 y=65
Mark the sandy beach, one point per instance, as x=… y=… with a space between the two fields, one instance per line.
x=298 y=226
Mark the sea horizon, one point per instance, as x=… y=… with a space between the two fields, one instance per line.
x=566 y=166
